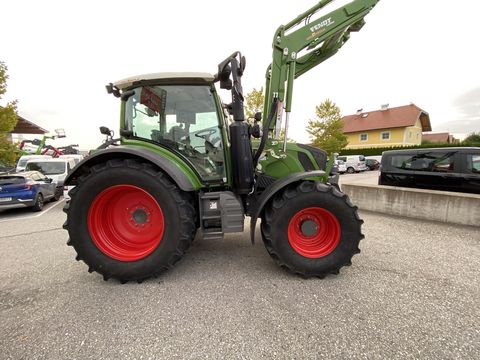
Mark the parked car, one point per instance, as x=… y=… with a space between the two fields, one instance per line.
x=26 y=189
x=448 y=169
x=22 y=162
x=354 y=163
x=334 y=169
x=55 y=168
x=372 y=164
x=342 y=167
x=76 y=157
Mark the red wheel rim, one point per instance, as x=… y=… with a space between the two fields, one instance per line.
x=125 y=222
x=314 y=232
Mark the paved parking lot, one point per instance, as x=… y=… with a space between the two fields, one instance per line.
x=365 y=178
x=412 y=293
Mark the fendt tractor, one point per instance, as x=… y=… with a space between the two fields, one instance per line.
x=181 y=164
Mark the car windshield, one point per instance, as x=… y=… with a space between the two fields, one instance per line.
x=22 y=162
x=11 y=180
x=47 y=167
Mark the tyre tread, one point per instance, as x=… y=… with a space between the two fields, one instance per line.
x=280 y=200
x=182 y=199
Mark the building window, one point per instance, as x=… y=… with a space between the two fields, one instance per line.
x=363 y=137
x=410 y=134
x=385 y=135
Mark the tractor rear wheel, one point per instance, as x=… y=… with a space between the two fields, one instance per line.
x=311 y=229
x=128 y=221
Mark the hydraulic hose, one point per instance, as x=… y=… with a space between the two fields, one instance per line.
x=266 y=128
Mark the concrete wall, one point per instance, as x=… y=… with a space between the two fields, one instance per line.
x=456 y=208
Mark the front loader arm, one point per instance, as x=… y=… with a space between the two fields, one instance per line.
x=296 y=49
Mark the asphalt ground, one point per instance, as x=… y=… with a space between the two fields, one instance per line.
x=363 y=178
x=413 y=292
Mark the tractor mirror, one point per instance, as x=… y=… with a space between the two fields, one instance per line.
x=104 y=130
x=255 y=131
x=257 y=116
x=243 y=63
x=224 y=76
x=112 y=89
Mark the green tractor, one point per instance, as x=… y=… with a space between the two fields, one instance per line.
x=180 y=165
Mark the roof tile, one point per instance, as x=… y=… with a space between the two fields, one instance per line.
x=401 y=116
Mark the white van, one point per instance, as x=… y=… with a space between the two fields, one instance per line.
x=23 y=160
x=76 y=157
x=354 y=163
x=54 y=168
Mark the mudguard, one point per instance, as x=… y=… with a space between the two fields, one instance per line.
x=272 y=190
x=163 y=163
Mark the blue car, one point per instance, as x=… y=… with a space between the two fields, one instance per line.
x=26 y=189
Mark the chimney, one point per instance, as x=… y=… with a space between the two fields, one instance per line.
x=384 y=107
x=359 y=111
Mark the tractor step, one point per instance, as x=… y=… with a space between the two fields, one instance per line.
x=220 y=212
x=212 y=233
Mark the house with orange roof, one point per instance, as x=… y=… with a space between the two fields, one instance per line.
x=443 y=137
x=387 y=127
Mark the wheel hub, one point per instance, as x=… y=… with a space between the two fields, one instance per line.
x=140 y=216
x=314 y=232
x=309 y=227
x=125 y=222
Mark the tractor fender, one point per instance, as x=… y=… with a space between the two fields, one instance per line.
x=272 y=190
x=100 y=156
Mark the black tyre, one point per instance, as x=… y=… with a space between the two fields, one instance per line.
x=350 y=170
x=128 y=221
x=311 y=229
x=38 y=205
x=58 y=194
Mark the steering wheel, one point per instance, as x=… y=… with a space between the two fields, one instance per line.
x=204 y=133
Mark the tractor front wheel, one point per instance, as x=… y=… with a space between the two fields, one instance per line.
x=311 y=229
x=126 y=220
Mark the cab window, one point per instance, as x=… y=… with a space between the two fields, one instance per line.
x=183 y=118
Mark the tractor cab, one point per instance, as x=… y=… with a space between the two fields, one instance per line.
x=180 y=112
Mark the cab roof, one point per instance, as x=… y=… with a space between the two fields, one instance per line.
x=163 y=76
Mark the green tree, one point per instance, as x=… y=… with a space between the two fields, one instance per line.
x=254 y=103
x=8 y=120
x=326 y=130
x=472 y=139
